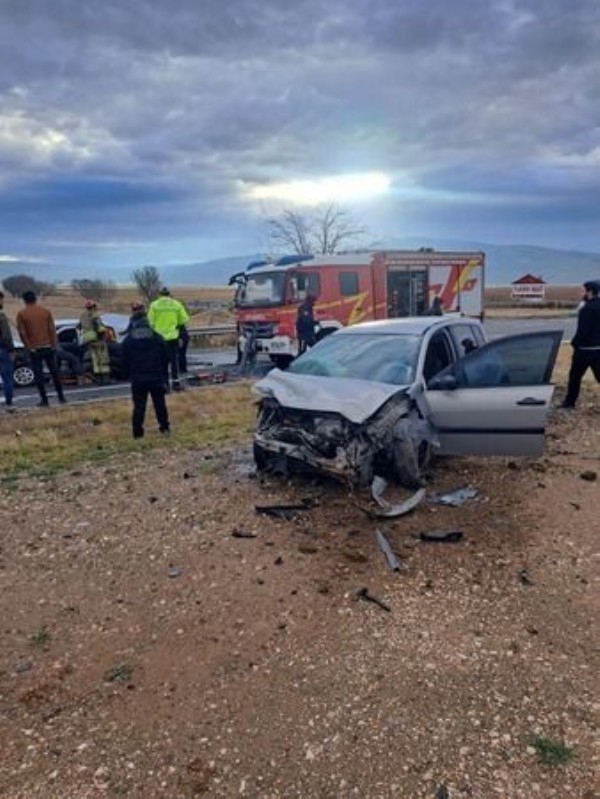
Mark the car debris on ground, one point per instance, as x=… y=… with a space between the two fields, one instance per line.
x=363 y=593
x=285 y=512
x=388 y=553
x=388 y=509
x=442 y=536
x=454 y=498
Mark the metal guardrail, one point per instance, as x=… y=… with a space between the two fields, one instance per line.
x=212 y=330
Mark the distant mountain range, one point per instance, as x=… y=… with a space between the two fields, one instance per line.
x=504 y=263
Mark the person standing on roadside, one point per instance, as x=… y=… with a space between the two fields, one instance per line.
x=7 y=354
x=436 y=308
x=94 y=337
x=305 y=324
x=38 y=333
x=585 y=343
x=166 y=317
x=145 y=360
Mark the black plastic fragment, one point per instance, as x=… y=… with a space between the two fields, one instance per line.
x=364 y=594
x=286 y=512
x=442 y=536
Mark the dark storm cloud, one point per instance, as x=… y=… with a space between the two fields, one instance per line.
x=176 y=105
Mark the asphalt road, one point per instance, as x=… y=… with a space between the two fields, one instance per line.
x=205 y=360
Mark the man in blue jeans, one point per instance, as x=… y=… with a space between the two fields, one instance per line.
x=7 y=350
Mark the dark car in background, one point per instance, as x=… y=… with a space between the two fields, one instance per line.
x=70 y=340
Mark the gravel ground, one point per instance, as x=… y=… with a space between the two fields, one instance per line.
x=147 y=651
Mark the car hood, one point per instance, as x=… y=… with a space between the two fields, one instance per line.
x=354 y=399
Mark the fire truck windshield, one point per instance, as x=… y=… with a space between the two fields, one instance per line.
x=267 y=288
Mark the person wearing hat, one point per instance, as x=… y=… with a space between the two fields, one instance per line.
x=145 y=359
x=166 y=317
x=38 y=333
x=585 y=343
x=95 y=338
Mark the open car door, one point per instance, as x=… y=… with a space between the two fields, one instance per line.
x=495 y=400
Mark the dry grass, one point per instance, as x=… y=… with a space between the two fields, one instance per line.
x=67 y=304
x=41 y=443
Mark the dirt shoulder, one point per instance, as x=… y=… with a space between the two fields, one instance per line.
x=147 y=652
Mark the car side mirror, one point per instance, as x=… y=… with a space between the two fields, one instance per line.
x=443 y=383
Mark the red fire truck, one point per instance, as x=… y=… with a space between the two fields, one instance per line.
x=350 y=288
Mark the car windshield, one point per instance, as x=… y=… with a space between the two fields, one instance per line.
x=368 y=356
x=263 y=289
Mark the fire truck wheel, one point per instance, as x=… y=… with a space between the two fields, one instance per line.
x=281 y=361
x=325 y=331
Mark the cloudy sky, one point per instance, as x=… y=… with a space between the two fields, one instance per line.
x=165 y=131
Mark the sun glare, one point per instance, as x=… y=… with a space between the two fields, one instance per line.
x=313 y=192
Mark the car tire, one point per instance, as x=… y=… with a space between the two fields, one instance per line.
x=23 y=376
x=411 y=463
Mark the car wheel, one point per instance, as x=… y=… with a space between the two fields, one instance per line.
x=411 y=461
x=23 y=376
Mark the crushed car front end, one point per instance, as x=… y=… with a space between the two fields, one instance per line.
x=386 y=442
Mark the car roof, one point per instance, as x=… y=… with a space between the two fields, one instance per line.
x=119 y=321
x=407 y=326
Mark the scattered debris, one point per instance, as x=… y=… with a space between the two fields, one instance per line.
x=213 y=376
x=378 y=486
x=524 y=577
x=174 y=571
x=364 y=594
x=384 y=546
x=355 y=556
x=286 y=512
x=589 y=475
x=121 y=673
x=454 y=498
x=442 y=536
x=307 y=549
x=243 y=534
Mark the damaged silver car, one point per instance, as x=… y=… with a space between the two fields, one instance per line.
x=379 y=398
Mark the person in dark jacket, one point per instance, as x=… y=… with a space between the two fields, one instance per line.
x=436 y=308
x=7 y=356
x=145 y=360
x=305 y=324
x=585 y=343
x=184 y=341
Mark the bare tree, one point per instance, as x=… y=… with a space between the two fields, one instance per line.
x=102 y=291
x=17 y=284
x=148 y=281
x=327 y=230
